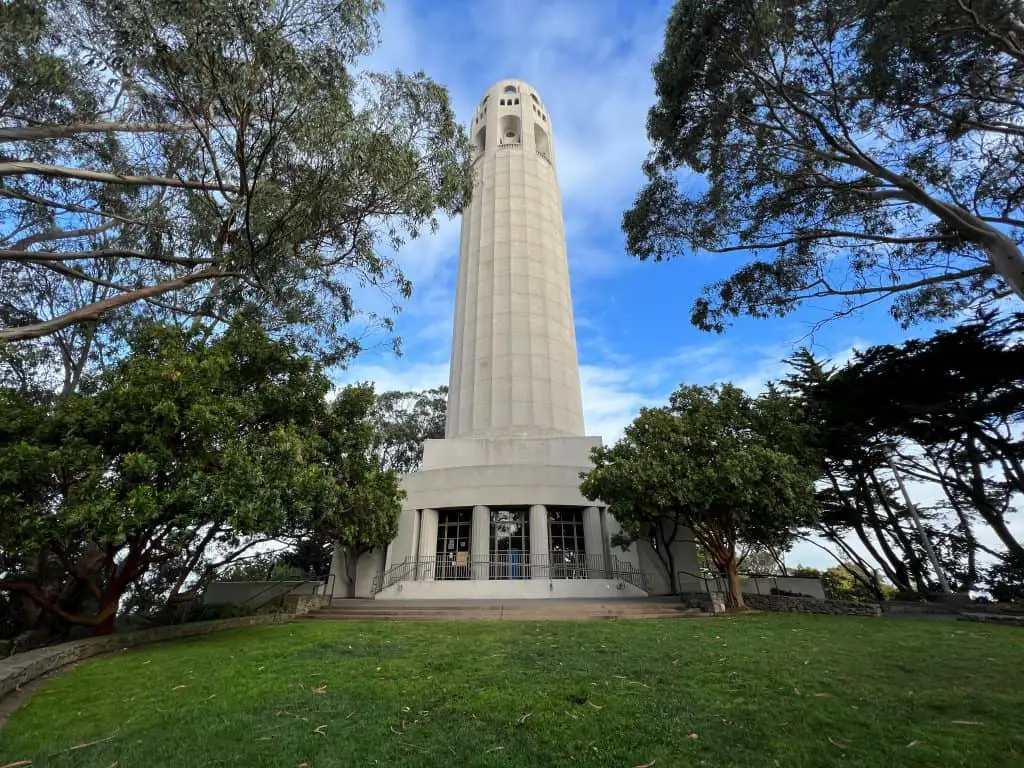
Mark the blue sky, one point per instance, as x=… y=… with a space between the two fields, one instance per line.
x=591 y=62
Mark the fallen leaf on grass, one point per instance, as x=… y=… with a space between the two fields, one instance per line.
x=84 y=745
x=303 y=765
x=797 y=691
x=595 y=706
x=646 y=765
x=17 y=764
x=914 y=743
x=523 y=718
x=320 y=729
x=840 y=744
x=320 y=689
x=178 y=687
x=824 y=696
x=493 y=749
x=693 y=736
x=967 y=722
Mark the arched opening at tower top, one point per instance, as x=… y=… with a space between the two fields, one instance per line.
x=480 y=140
x=540 y=140
x=511 y=130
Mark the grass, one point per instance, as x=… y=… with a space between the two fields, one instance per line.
x=758 y=690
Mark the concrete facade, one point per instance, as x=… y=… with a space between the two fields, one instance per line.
x=495 y=511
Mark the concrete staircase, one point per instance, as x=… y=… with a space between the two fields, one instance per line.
x=503 y=610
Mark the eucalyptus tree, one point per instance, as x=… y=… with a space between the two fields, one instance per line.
x=858 y=150
x=194 y=159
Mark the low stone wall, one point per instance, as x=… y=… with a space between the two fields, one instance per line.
x=25 y=667
x=713 y=603
x=300 y=605
x=918 y=608
x=783 y=604
x=993 y=618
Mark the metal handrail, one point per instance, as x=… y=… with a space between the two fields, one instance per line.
x=503 y=565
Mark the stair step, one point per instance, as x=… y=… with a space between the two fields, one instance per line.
x=369 y=611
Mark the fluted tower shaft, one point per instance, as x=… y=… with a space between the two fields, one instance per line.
x=514 y=369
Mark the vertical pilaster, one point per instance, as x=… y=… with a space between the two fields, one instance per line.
x=480 y=543
x=428 y=544
x=540 y=564
x=593 y=540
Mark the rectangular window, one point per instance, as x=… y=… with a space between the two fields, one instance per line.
x=454 y=527
x=510 y=544
x=568 y=552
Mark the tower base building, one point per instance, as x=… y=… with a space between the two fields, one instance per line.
x=495 y=511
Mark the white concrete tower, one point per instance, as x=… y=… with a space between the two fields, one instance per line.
x=514 y=368
x=495 y=510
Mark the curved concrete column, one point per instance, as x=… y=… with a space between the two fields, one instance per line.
x=428 y=544
x=540 y=565
x=481 y=542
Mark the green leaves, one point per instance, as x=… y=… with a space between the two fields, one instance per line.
x=713 y=460
x=857 y=150
x=194 y=434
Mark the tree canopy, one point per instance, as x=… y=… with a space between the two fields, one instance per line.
x=404 y=420
x=945 y=411
x=186 y=454
x=866 y=150
x=178 y=159
x=714 y=460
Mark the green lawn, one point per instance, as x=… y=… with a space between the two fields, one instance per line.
x=758 y=690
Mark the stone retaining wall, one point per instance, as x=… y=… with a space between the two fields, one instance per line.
x=783 y=604
x=300 y=605
x=25 y=667
x=919 y=607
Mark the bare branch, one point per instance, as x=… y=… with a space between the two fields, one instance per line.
x=34 y=133
x=22 y=168
x=97 y=309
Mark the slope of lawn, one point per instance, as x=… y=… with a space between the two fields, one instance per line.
x=758 y=690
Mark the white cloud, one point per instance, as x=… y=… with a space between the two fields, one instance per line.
x=401 y=376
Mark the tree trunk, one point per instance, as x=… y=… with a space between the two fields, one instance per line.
x=735 y=596
x=670 y=560
x=106 y=625
x=351 y=558
x=988 y=512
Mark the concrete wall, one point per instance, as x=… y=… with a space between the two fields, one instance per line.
x=368 y=566
x=500 y=484
x=810 y=587
x=683 y=550
x=23 y=668
x=509 y=589
x=254 y=594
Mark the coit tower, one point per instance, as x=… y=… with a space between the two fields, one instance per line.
x=514 y=368
x=494 y=510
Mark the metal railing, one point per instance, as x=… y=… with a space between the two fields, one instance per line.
x=506 y=565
